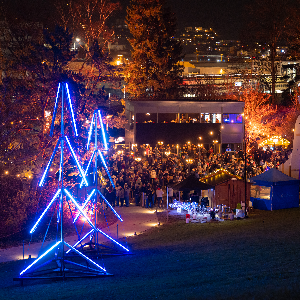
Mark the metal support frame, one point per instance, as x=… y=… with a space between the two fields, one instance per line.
x=93 y=247
x=58 y=266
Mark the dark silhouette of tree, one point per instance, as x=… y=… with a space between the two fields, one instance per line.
x=268 y=24
x=154 y=69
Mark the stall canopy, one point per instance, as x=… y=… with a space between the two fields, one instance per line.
x=217 y=177
x=191 y=183
x=229 y=189
x=274 y=190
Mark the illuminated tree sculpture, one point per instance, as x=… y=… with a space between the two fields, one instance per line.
x=60 y=265
x=93 y=196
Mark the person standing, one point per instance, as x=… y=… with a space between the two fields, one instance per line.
x=159 y=194
x=126 y=194
x=137 y=195
x=170 y=194
x=121 y=195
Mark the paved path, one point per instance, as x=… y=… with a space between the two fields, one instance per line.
x=135 y=220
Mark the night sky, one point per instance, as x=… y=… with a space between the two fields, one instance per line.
x=226 y=17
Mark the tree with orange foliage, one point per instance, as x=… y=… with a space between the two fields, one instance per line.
x=263 y=119
x=256 y=112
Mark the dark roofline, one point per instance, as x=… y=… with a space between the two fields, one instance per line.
x=181 y=100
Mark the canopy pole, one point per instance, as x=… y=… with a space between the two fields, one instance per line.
x=167 y=204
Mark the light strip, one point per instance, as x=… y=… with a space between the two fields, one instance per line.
x=54 y=111
x=45 y=253
x=118 y=216
x=81 y=254
x=86 y=170
x=112 y=239
x=79 y=208
x=90 y=132
x=108 y=174
x=61 y=163
x=89 y=221
x=72 y=112
x=37 y=222
x=76 y=160
x=84 y=205
x=49 y=164
x=81 y=240
x=103 y=132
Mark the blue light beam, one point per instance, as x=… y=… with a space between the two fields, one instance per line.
x=85 y=257
x=49 y=164
x=55 y=110
x=84 y=204
x=89 y=221
x=44 y=254
x=86 y=170
x=81 y=240
x=90 y=133
x=106 y=235
x=79 y=208
x=71 y=110
x=117 y=215
x=105 y=166
x=76 y=160
x=103 y=132
x=46 y=209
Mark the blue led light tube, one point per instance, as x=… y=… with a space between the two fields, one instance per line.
x=106 y=235
x=117 y=215
x=105 y=166
x=49 y=164
x=44 y=254
x=55 y=110
x=84 y=204
x=90 y=133
x=77 y=243
x=86 y=170
x=76 y=160
x=46 y=209
x=103 y=132
x=88 y=259
x=71 y=110
x=79 y=208
x=89 y=221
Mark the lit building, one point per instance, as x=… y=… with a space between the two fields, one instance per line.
x=218 y=123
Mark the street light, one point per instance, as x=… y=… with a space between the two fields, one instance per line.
x=189 y=162
x=76 y=40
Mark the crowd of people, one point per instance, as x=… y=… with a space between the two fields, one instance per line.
x=142 y=173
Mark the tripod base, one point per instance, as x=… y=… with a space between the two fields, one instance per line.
x=97 y=250
x=53 y=270
x=61 y=266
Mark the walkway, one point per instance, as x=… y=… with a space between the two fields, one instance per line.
x=136 y=220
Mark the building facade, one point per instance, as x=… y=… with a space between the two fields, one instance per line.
x=217 y=123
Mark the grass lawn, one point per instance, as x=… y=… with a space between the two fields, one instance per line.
x=255 y=258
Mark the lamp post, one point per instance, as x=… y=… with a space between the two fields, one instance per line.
x=76 y=40
x=189 y=162
x=245 y=170
x=162 y=151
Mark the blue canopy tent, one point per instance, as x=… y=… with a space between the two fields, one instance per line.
x=274 y=190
